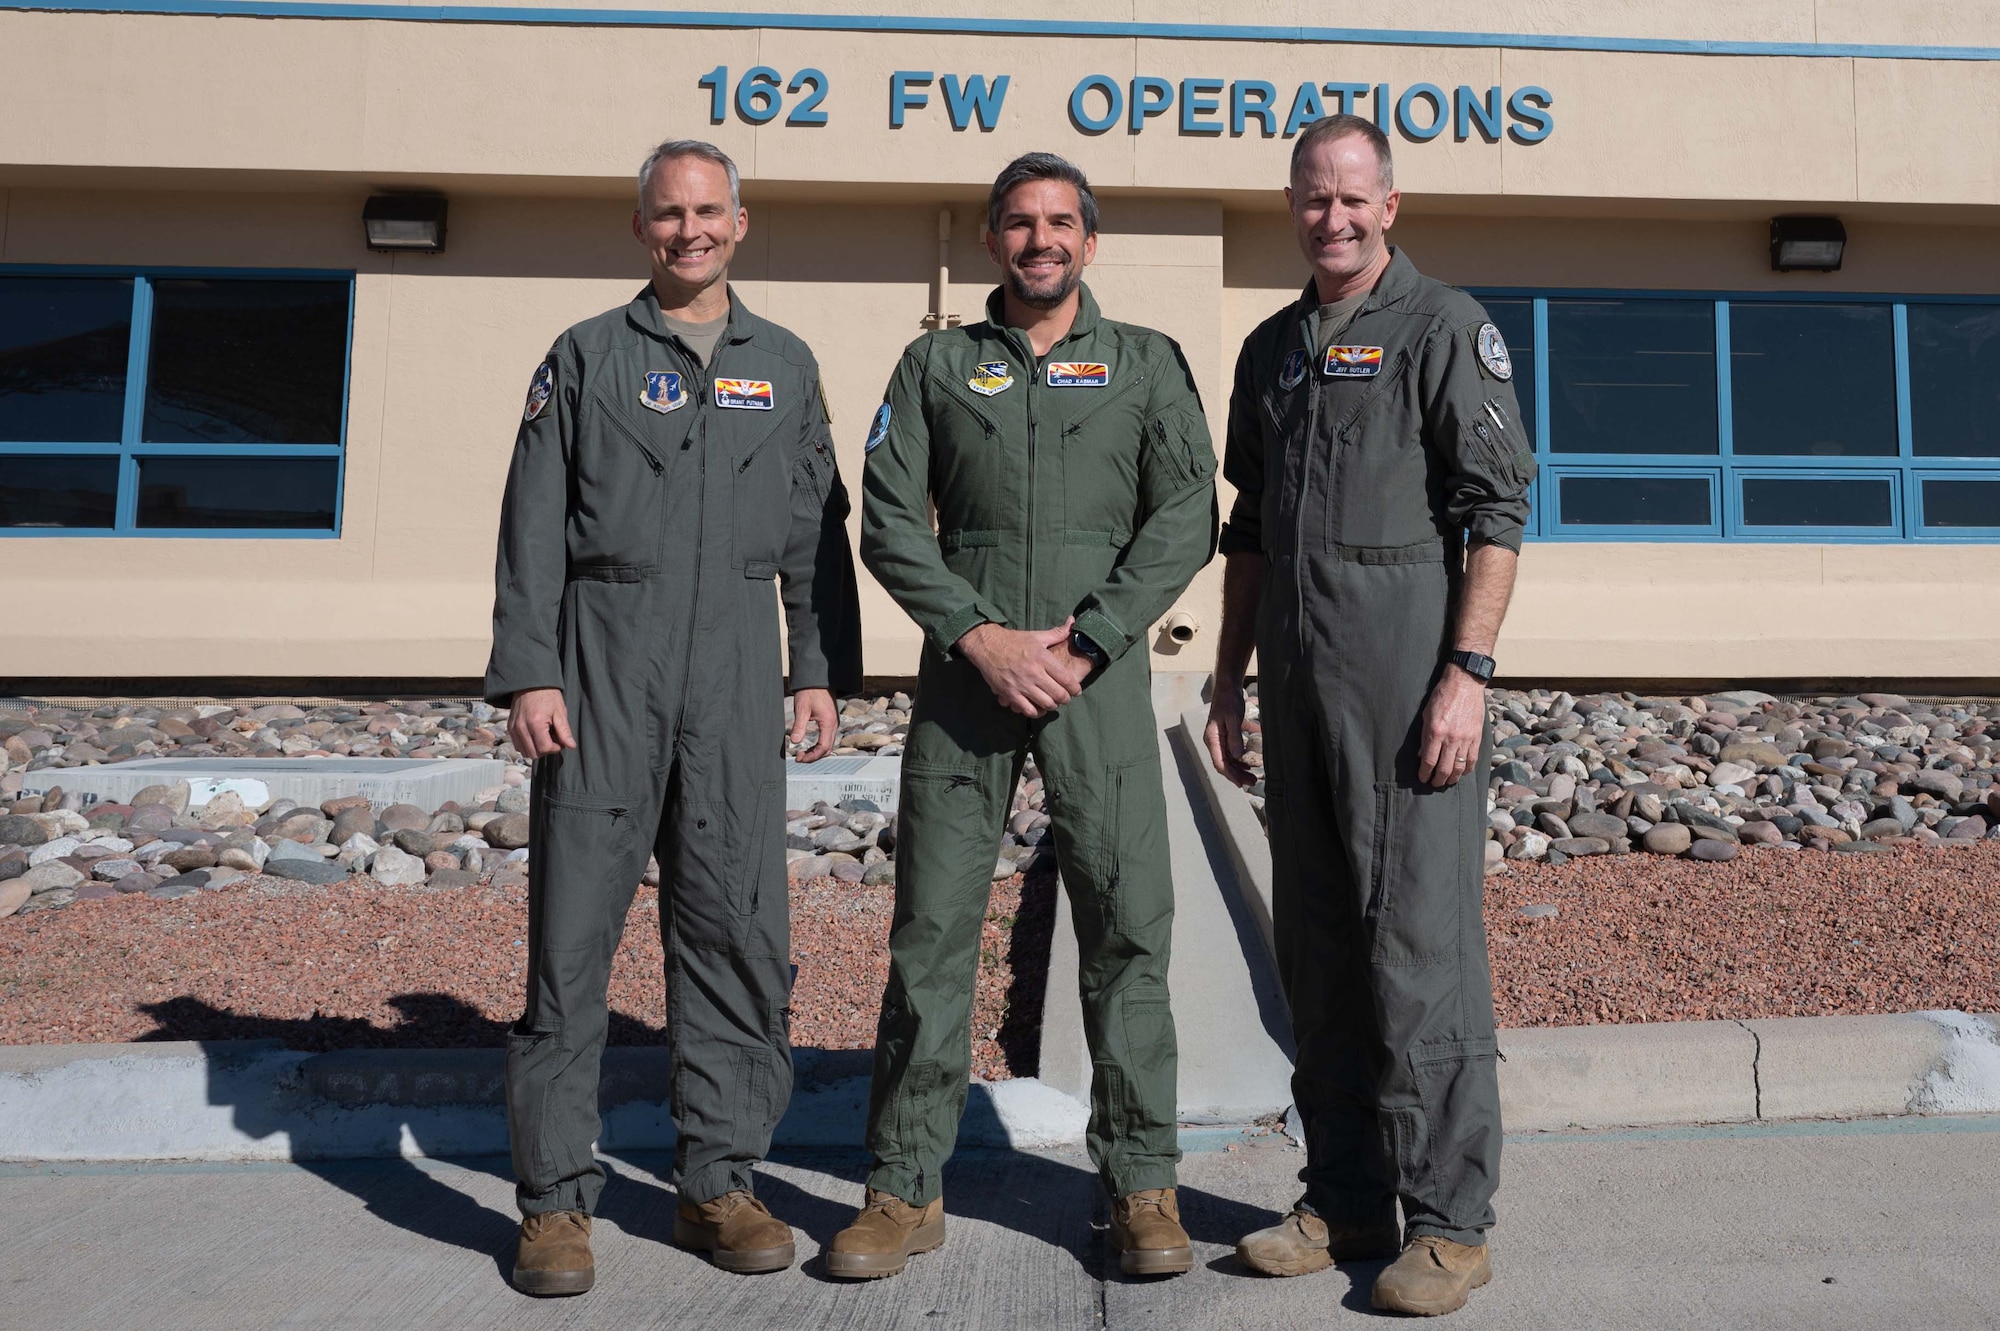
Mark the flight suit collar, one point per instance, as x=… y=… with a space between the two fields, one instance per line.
x=1088 y=316
x=644 y=314
x=1397 y=280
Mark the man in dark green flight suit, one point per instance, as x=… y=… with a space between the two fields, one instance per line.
x=673 y=460
x=1073 y=480
x=1381 y=470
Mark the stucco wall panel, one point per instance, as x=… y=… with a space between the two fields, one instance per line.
x=1933 y=132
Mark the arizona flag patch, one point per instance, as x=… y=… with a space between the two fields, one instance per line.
x=1352 y=362
x=1078 y=374
x=743 y=394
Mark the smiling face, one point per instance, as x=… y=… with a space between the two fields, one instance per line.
x=1041 y=246
x=1342 y=215
x=688 y=226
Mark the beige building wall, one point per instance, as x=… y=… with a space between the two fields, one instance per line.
x=157 y=140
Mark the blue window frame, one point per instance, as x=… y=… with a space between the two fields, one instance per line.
x=1758 y=416
x=173 y=402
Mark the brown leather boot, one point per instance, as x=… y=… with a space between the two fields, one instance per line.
x=1302 y=1243
x=1433 y=1276
x=736 y=1232
x=883 y=1237
x=1146 y=1232
x=554 y=1256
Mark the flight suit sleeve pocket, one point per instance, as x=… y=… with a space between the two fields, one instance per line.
x=760 y=568
x=1178 y=442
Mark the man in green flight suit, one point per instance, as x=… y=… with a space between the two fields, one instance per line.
x=1073 y=480
x=1381 y=471
x=672 y=461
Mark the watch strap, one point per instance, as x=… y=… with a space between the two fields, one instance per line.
x=1479 y=667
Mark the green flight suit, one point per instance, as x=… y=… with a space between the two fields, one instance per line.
x=1078 y=485
x=1361 y=472
x=650 y=504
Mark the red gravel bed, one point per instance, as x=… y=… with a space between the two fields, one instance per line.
x=360 y=965
x=1771 y=934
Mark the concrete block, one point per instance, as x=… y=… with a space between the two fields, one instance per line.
x=425 y=782
x=837 y=779
x=1243 y=835
x=1627 y=1076
x=1828 y=1067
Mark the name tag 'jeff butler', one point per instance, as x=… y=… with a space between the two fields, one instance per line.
x=1351 y=362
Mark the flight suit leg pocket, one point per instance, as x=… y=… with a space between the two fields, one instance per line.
x=1136 y=876
x=1413 y=896
x=1457 y=1087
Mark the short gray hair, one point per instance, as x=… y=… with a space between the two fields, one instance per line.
x=1040 y=166
x=1339 y=127
x=674 y=149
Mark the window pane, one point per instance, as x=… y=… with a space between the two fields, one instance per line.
x=1955 y=380
x=1640 y=501
x=1632 y=376
x=1516 y=321
x=238 y=492
x=58 y=492
x=1961 y=503
x=1813 y=380
x=1780 y=501
x=63 y=343
x=246 y=362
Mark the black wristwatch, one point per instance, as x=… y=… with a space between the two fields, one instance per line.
x=1472 y=663
x=1080 y=643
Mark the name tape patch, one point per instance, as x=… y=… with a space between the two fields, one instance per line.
x=743 y=394
x=1352 y=362
x=665 y=391
x=1078 y=374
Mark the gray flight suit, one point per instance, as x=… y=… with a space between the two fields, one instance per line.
x=1361 y=473
x=650 y=505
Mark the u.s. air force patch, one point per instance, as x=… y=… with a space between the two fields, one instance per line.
x=1293 y=372
x=540 y=389
x=878 y=429
x=1493 y=352
x=990 y=377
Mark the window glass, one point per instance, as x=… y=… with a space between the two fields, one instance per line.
x=63 y=346
x=246 y=362
x=1639 y=501
x=1813 y=380
x=1959 y=501
x=1783 y=501
x=1516 y=321
x=1632 y=376
x=1955 y=380
x=58 y=491
x=248 y=492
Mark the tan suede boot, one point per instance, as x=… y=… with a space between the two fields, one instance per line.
x=736 y=1232
x=554 y=1256
x=1302 y=1243
x=1433 y=1276
x=1147 y=1235
x=883 y=1237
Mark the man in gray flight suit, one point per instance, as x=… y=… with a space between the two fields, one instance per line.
x=1381 y=470
x=672 y=461
x=1073 y=482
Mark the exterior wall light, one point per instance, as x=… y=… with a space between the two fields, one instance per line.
x=1814 y=244
x=405 y=222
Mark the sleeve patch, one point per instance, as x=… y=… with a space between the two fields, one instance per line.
x=878 y=430
x=540 y=389
x=825 y=411
x=1493 y=354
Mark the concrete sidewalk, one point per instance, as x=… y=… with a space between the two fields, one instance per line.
x=1809 y=1226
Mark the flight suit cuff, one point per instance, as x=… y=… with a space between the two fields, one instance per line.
x=1496 y=528
x=961 y=622
x=1101 y=629
x=1237 y=539
x=501 y=686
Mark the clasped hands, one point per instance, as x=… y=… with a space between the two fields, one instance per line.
x=1031 y=671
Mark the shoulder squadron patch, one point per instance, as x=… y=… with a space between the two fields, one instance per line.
x=664 y=392
x=540 y=389
x=990 y=377
x=1352 y=362
x=743 y=394
x=1078 y=374
x=1293 y=372
x=878 y=429
x=1493 y=352
x=825 y=410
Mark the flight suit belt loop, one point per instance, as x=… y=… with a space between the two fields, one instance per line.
x=1423 y=552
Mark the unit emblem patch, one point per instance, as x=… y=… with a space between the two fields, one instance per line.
x=664 y=392
x=878 y=429
x=1493 y=352
x=743 y=394
x=990 y=377
x=540 y=389
x=1352 y=362
x=1293 y=371
x=1078 y=374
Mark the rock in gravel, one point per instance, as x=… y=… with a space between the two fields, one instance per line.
x=189 y=857
x=880 y=874
x=305 y=871
x=412 y=841
x=1604 y=826
x=1761 y=833
x=404 y=815
x=41 y=901
x=1004 y=869
x=354 y=820
x=48 y=877
x=454 y=878
x=174 y=795
x=340 y=804
x=1943 y=785
x=1863 y=848
x=509 y=832
x=397 y=868
x=149 y=818
x=513 y=800
x=21 y=830
x=184 y=885
x=14 y=894
x=293 y=850
x=811 y=866
x=1667 y=839
x=1877 y=828
x=113 y=867
x=53 y=850
x=1581 y=845
x=1714 y=852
